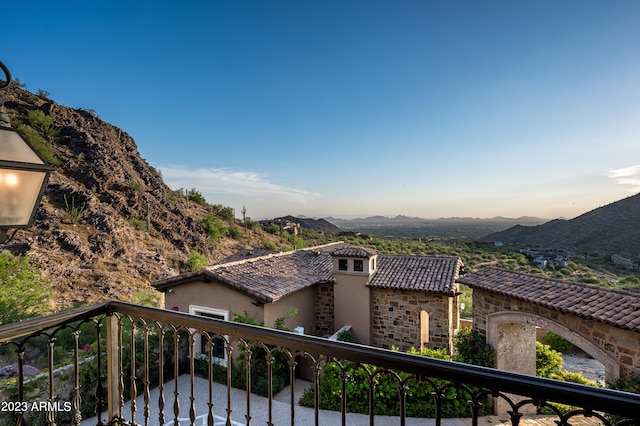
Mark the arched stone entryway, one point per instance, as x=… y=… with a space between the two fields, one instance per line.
x=508 y=305
x=513 y=336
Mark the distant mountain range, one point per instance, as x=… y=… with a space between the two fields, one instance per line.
x=401 y=220
x=405 y=226
x=614 y=228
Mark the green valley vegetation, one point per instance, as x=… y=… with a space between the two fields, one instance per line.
x=24 y=293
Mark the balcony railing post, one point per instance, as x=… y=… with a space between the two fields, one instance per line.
x=113 y=367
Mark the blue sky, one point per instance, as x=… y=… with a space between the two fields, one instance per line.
x=355 y=108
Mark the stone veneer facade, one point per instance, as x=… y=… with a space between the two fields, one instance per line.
x=396 y=319
x=618 y=349
x=324 y=302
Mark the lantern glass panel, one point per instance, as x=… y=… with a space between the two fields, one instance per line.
x=19 y=192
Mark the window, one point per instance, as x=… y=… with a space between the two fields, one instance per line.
x=424 y=329
x=342 y=264
x=358 y=265
x=218 y=351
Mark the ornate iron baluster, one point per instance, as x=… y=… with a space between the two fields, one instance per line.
x=291 y=362
x=98 y=393
x=269 y=359
x=76 y=400
x=210 y=417
x=20 y=356
x=317 y=369
x=147 y=392
x=161 y=402
x=247 y=369
x=51 y=416
x=176 y=373
x=228 y=349
x=120 y=368
x=133 y=387
x=192 y=398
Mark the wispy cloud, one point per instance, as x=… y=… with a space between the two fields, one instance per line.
x=629 y=176
x=219 y=181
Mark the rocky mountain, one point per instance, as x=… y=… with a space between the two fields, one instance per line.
x=318 y=225
x=614 y=228
x=107 y=225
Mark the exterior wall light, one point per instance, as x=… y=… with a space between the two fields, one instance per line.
x=23 y=175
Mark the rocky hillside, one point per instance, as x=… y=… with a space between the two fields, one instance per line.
x=108 y=225
x=614 y=228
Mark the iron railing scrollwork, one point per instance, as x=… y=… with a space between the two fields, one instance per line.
x=127 y=364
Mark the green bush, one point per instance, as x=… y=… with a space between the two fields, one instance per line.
x=259 y=363
x=195 y=196
x=224 y=213
x=24 y=293
x=558 y=343
x=234 y=232
x=214 y=227
x=267 y=244
x=472 y=348
x=139 y=224
x=37 y=142
x=548 y=361
x=196 y=261
x=135 y=185
x=42 y=122
x=419 y=394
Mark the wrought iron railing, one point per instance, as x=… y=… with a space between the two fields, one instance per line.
x=128 y=364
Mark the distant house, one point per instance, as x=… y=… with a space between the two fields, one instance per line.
x=389 y=300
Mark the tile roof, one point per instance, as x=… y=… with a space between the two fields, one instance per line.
x=354 y=251
x=436 y=274
x=272 y=276
x=615 y=307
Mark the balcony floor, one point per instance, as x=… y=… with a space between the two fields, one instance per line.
x=259 y=408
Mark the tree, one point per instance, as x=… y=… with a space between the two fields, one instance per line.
x=24 y=293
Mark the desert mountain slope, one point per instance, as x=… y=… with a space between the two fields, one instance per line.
x=614 y=228
x=131 y=228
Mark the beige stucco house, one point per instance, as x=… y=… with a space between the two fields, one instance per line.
x=389 y=300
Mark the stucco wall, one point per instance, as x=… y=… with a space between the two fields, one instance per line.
x=352 y=305
x=396 y=318
x=213 y=295
x=303 y=301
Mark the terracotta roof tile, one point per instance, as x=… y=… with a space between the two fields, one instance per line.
x=435 y=274
x=273 y=276
x=615 y=307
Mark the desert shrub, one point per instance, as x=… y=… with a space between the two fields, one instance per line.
x=73 y=213
x=135 y=185
x=139 y=224
x=214 y=227
x=196 y=261
x=224 y=213
x=38 y=143
x=267 y=244
x=195 y=196
x=234 y=232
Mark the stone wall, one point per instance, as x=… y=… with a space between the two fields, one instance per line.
x=325 y=320
x=396 y=319
x=617 y=349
